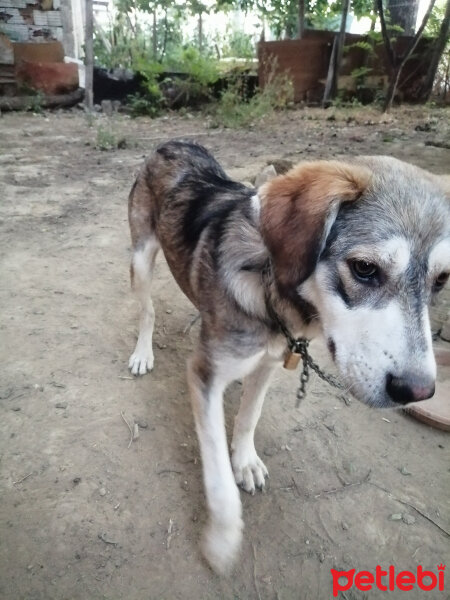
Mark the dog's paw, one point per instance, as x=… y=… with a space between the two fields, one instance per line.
x=249 y=470
x=140 y=362
x=220 y=545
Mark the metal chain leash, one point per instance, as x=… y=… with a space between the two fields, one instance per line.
x=296 y=345
x=308 y=362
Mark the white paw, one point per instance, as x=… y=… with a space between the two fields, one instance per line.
x=140 y=362
x=249 y=470
x=220 y=545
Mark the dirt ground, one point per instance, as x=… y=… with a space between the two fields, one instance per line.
x=84 y=516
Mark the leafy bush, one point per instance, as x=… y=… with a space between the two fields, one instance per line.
x=198 y=72
x=238 y=44
x=232 y=111
x=150 y=100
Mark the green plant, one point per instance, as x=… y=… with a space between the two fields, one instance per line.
x=232 y=111
x=107 y=139
x=238 y=44
x=199 y=73
x=359 y=75
x=150 y=100
x=141 y=105
x=35 y=102
x=89 y=118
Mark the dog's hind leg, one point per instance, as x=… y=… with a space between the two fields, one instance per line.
x=249 y=470
x=145 y=249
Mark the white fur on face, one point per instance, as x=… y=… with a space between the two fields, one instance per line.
x=439 y=259
x=371 y=343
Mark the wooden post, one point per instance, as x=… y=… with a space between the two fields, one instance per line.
x=89 y=56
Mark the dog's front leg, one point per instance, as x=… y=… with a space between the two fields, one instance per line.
x=207 y=383
x=249 y=469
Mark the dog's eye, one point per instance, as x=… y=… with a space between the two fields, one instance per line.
x=440 y=281
x=364 y=270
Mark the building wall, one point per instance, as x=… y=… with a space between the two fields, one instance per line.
x=31 y=20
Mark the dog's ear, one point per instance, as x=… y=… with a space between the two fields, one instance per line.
x=298 y=210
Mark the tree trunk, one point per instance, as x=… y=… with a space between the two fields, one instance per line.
x=397 y=63
x=393 y=83
x=404 y=14
x=438 y=49
x=200 y=31
x=331 y=87
x=163 y=51
x=155 y=36
x=447 y=81
x=89 y=57
x=301 y=18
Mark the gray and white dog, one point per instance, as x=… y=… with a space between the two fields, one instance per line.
x=356 y=252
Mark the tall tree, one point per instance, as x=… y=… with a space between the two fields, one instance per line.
x=403 y=13
x=331 y=86
x=198 y=9
x=89 y=56
x=396 y=63
x=301 y=18
x=436 y=54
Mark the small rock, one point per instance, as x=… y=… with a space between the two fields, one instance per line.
x=169 y=311
x=107 y=107
x=102 y=492
x=270 y=451
x=408 y=519
x=143 y=424
x=16 y=408
x=282 y=165
x=61 y=405
x=424 y=127
x=76 y=480
x=344 y=525
x=396 y=517
x=185 y=486
x=404 y=471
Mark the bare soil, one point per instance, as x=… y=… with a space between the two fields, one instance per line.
x=84 y=516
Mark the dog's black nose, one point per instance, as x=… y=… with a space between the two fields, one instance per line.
x=409 y=388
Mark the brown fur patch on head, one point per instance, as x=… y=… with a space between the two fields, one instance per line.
x=294 y=213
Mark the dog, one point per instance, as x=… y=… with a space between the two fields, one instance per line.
x=353 y=251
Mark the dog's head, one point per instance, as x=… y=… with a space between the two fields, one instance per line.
x=368 y=245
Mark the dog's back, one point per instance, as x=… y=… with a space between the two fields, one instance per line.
x=183 y=197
